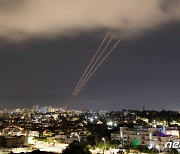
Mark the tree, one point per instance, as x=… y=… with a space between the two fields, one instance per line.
x=76 y=148
x=173 y=151
x=91 y=140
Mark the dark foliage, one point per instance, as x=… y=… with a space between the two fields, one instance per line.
x=36 y=152
x=76 y=148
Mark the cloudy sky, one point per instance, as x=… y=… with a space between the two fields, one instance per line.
x=46 y=45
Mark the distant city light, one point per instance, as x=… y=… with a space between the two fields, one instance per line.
x=91 y=119
x=110 y=123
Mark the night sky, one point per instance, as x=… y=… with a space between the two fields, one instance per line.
x=142 y=71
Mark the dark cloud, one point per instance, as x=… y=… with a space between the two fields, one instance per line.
x=9 y=5
x=168 y=6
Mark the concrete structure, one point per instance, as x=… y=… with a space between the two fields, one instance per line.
x=150 y=137
x=13 y=142
x=33 y=134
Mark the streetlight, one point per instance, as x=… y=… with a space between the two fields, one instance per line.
x=104 y=145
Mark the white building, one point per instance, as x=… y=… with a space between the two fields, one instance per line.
x=33 y=134
x=151 y=137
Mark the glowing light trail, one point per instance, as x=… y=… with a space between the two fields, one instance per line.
x=83 y=80
x=91 y=62
x=97 y=67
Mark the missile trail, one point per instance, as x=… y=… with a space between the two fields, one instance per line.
x=98 y=66
x=94 y=63
x=91 y=61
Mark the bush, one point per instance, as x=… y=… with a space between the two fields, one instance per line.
x=76 y=148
